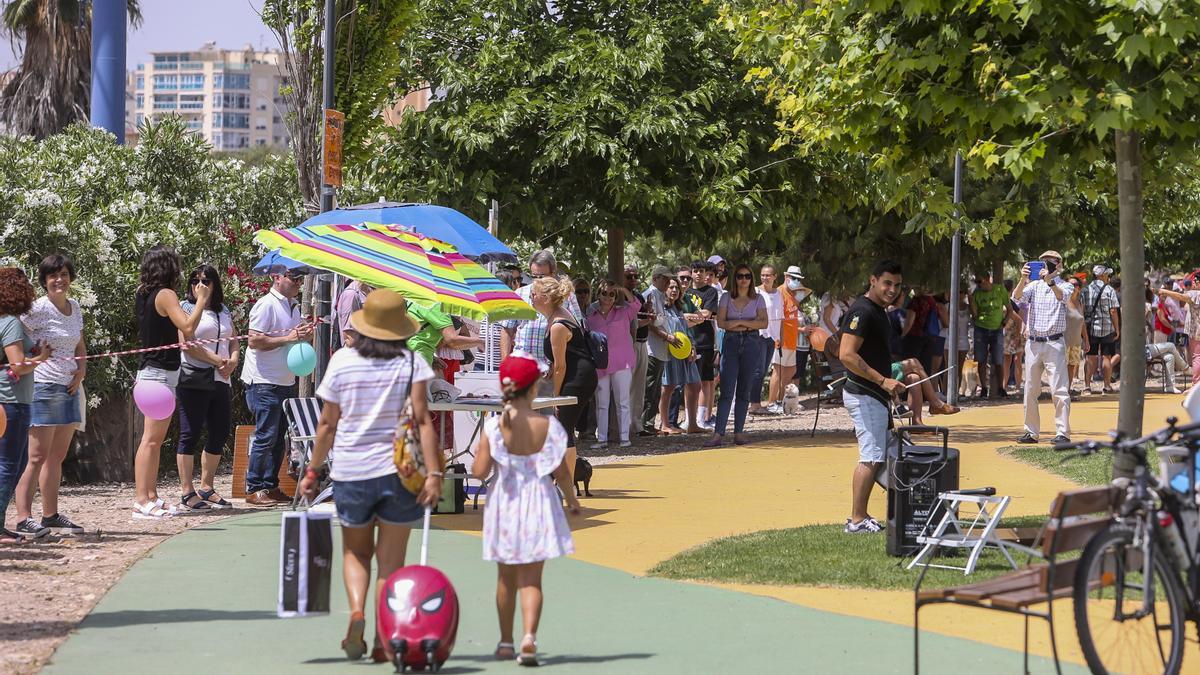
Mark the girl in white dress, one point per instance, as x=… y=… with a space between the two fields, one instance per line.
x=523 y=522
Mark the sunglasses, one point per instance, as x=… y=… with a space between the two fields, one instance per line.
x=203 y=282
x=744 y=276
x=538 y=276
x=683 y=278
x=295 y=277
x=631 y=275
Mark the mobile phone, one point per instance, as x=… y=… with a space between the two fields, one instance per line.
x=1035 y=269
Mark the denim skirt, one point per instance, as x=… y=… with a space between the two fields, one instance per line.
x=52 y=405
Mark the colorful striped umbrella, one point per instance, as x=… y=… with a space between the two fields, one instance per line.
x=426 y=271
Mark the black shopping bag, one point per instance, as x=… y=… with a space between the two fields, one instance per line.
x=305 y=563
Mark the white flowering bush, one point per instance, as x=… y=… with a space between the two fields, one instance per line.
x=103 y=204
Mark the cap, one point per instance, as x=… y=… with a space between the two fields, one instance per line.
x=519 y=370
x=1099 y=270
x=1051 y=254
x=660 y=271
x=716 y=259
x=794 y=271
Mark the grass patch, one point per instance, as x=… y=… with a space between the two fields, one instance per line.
x=820 y=555
x=1091 y=470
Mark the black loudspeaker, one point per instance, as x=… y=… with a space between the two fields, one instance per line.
x=454 y=493
x=915 y=476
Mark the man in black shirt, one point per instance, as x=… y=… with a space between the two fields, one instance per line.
x=865 y=333
x=705 y=296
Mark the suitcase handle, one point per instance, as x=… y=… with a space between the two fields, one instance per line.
x=425 y=536
x=922 y=429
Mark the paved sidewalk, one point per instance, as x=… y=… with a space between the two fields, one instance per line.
x=204 y=601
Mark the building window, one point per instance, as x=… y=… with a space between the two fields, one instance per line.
x=166 y=82
x=231 y=81
x=166 y=61
x=137 y=119
x=141 y=82
x=195 y=124
x=164 y=103
x=191 y=81
x=231 y=120
x=191 y=102
x=234 y=101
x=261 y=141
x=141 y=101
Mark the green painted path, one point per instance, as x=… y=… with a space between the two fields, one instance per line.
x=204 y=601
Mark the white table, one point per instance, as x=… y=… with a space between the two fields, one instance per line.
x=485 y=407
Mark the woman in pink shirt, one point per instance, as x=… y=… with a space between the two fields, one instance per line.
x=612 y=314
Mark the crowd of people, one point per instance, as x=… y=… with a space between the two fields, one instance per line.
x=696 y=345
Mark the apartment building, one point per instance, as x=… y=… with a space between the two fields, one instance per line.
x=231 y=97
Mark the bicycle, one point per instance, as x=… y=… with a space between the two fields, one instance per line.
x=1137 y=581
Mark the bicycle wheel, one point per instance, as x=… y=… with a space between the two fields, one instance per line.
x=1126 y=622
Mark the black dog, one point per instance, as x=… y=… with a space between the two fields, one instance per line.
x=583 y=473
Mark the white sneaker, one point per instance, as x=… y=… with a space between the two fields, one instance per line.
x=775 y=409
x=1174 y=390
x=866 y=525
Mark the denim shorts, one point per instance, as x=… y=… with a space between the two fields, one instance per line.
x=361 y=502
x=52 y=405
x=152 y=374
x=870 y=417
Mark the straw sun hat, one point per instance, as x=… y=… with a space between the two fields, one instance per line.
x=384 y=316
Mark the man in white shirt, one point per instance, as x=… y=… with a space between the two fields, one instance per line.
x=1045 y=348
x=770 y=336
x=274 y=326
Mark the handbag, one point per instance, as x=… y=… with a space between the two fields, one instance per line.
x=406 y=443
x=200 y=378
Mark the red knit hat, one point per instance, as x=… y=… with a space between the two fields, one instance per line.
x=520 y=371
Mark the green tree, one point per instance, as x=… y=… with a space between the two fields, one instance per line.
x=366 y=69
x=586 y=119
x=52 y=87
x=1061 y=96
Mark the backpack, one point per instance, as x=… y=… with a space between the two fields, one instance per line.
x=598 y=347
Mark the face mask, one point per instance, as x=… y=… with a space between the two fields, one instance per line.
x=794 y=284
x=801 y=296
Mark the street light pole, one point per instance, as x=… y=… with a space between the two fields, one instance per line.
x=109 y=18
x=321 y=291
x=955 y=262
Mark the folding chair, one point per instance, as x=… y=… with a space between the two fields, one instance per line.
x=972 y=527
x=303 y=415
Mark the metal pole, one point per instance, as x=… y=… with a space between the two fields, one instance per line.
x=108 y=67
x=327 y=95
x=955 y=262
x=324 y=332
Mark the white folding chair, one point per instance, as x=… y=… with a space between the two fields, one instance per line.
x=303 y=415
x=969 y=520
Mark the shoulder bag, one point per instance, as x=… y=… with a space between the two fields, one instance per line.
x=406 y=443
x=200 y=378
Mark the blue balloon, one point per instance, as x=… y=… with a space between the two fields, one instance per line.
x=301 y=359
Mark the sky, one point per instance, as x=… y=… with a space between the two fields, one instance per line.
x=178 y=25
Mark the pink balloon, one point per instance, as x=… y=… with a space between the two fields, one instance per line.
x=154 y=399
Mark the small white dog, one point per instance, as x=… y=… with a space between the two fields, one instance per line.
x=791 y=399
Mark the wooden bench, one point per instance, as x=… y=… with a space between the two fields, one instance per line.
x=1075 y=517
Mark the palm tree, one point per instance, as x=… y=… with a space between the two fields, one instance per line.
x=52 y=87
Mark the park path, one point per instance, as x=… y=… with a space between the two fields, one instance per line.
x=207 y=595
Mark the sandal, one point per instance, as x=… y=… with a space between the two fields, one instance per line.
x=505 y=651
x=215 y=501
x=200 y=505
x=354 y=645
x=945 y=409
x=10 y=538
x=528 y=658
x=715 y=442
x=150 y=511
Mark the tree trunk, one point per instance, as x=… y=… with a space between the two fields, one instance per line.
x=1133 y=264
x=616 y=253
x=104 y=453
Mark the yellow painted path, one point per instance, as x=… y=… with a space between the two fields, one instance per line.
x=648 y=510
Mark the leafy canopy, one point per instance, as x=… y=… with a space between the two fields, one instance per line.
x=1031 y=88
x=583 y=115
